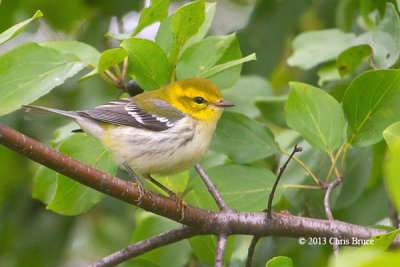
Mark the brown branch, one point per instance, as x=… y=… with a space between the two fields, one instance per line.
x=144 y=246
x=281 y=171
x=329 y=187
x=220 y=250
x=211 y=188
x=251 y=250
x=200 y=220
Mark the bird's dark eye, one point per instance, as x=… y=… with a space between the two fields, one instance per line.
x=199 y=100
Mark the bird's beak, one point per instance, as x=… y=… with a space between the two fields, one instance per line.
x=224 y=103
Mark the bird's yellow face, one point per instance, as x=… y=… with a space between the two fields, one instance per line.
x=199 y=97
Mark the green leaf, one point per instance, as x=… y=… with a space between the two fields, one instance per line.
x=148 y=225
x=316 y=115
x=209 y=16
x=111 y=58
x=358 y=170
x=313 y=48
x=384 y=39
x=221 y=65
x=392 y=175
x=164 y=36
x=381 y=242
x=243 y=139
x=193 y=63
x=73 y=198
x=44 y=184
x=392 y=134
x=272 y=108
x=280 y=261
x=83 y=51
x=30 y=71
x=185 y=23
x=328 y=72
x=242 y=187
x=352 y=257
x=228 y=77
x=157 y=11
x=17 y=28
x=350 y=58
x=224 y=66
x=149 y=65
x=246 y=100
x=371 y=103
x=176 y=183
x=63 y=132
x=204 y=248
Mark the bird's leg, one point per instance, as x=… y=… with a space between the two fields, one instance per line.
x=181 y=204
x=138 y=183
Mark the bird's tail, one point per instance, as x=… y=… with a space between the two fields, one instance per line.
x=72 y=115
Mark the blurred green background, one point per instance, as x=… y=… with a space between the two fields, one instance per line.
x=30 y=235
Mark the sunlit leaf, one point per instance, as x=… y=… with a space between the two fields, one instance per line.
x=17 y=28
x=111 y=58
x=30 y=71
x=392 y=134
x=280 y=261
x=392 y=175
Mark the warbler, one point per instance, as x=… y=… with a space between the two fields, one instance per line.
x=162 y=132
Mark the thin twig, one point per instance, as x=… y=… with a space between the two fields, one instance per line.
x=220 y=250
x=281 y=170
x=211 y=188
x=251 y=250
x=146 y=245
x=329 y=188
x=316 y=180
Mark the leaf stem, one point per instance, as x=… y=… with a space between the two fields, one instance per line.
x=107 y=79
x=333 y=166
x=301 y=186
x=333 y=162
x=346 y=149
x=124 y=68
x=316 y=180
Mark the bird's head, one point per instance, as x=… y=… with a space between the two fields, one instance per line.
x=198 y=97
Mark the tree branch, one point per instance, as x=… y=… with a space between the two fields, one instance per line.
x=200 y=220
x=220 y=250
x=146 y=245
x=211 y=188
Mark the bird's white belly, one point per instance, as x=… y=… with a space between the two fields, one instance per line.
x=165 y=152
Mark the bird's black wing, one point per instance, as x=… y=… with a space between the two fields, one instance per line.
x=126 y=112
